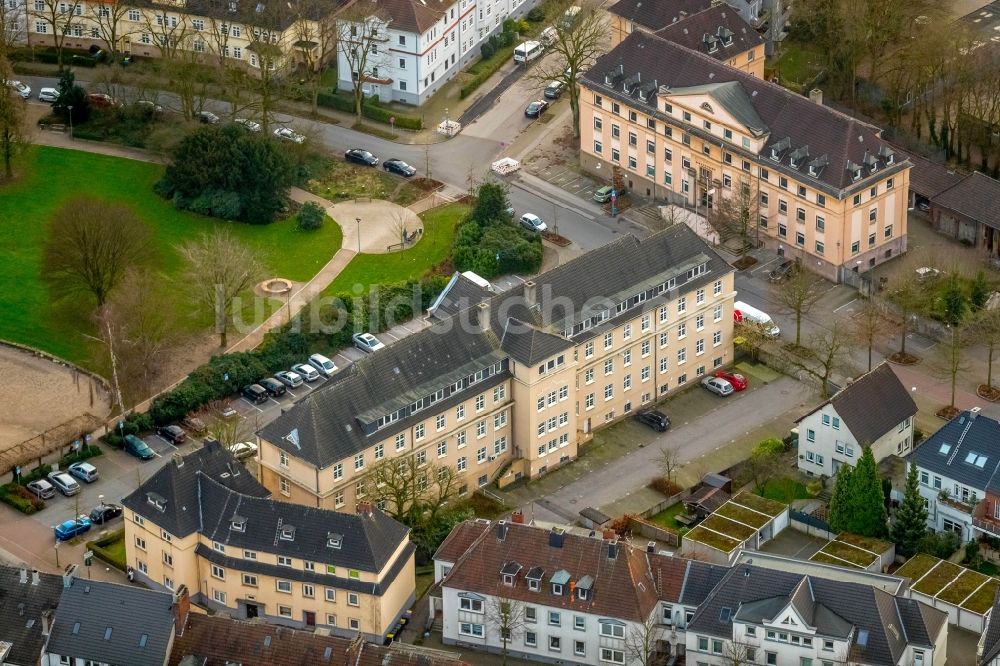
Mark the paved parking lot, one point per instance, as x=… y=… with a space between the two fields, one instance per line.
x=570 y=180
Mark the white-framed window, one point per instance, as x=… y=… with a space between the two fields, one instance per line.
x=470 y=629
x=359 y=461
x=440 y=422
x=218 y=572
x=471 y=605
x=419 y=431
x=283 y=586
x=555 y=644
x=612 y=629
x=353 y=599
x=613 y=656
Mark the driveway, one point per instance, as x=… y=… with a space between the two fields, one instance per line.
x=727 y=420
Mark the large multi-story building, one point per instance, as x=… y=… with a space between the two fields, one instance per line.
x=202 y=521
x=565 y=598
x=515 y=380
x=820 y=186
x=422 y=44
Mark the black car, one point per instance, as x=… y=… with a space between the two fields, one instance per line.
x=104 y=513
x=207 y=117
x=554 y=89
x=397 y=165
x=361 y=156
x=654 y=419
x=173 y=434
x=273 y=386
x=536 y=108
x=255 y=393
x=784 y=271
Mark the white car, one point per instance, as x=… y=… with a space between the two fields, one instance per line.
x=289 y=378
x=244 y=450
x=248 y=124
x=717 y=385
x=323 y=365
x=367 y=342
x=48 y=95
x=64 y=483
x=306 y=372
x=23 y=90
x=532 y=222
x=146 y=104
x=288 y=134
x=84 y=471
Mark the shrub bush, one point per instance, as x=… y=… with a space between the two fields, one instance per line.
x=100 y=549
x=310 y=216
x=486 y=68
x=665 y=486
x=20 y=498
x=39 y=472
x=486 y=50
x=84 y=453
x=536 y=15
x=370 y=109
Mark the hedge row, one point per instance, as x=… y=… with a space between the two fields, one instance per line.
x=485 y=71
x=369 y=109
x=226 y=374
x=19 y=497
x=85 y=452
x=99 y=548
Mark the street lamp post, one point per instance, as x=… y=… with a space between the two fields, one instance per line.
x=70 y=107
x=358 y=220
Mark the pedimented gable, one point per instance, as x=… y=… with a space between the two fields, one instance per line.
x=789 y=619
x=721 y=103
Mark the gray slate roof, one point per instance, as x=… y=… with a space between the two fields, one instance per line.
x=929 y=178
x=21 y=608
x=332 y=423
x=826 y=133
x=458 y=294
x=758 y=593
x=976 y=197
x=177 y=484
x=948 y=451
x=700 y=30
x=656 y=14
x=112 y=623
x=991 y=642
x=873 y=404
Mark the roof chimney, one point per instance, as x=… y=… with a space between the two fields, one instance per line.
x=517 y=517
x=502 y=530
x=613 y=549
x=484 y=316
x=35 y=578
x=181 y=608
x=364 y=509
x=68 y=575
x=974 y=412
x=556 y=537
x=46 y=622
x=530 y=293
x=816 y=96
x=24 y=575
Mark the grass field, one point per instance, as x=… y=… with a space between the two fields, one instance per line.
x=668 y=516
x=785 y=490
x=433 y=248
x=53 y=175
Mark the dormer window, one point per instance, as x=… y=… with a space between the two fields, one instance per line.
x=238 y=524
x=508 y=580
x=334 y=540
x=287 y=533
x=157 y=501
x=775 y=154
x=533 y=585
x=557 y=589
x=812 y=170
x=582 y=593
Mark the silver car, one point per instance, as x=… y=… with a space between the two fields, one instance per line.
x=288 y=378
x=64 y=483
x=84 y=471
x=717 y=385
x=367 y=342
x=42 y=489
x=48 y=95
x=307 y=372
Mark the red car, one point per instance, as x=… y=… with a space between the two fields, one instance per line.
x=738 y=381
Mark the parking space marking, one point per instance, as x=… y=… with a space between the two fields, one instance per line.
x=850 y=302
x=271 y=398
x=390 y=335
x=764 y=266
x=252 y=405
x=165 y=441
x=289 y=392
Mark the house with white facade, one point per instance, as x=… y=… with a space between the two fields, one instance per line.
x=759 y=615
x=578 y=599
x=874 y=410
x=988 y=649
x=959 y=471
x=422 y=44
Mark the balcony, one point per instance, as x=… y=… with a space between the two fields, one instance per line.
x=955 y=503
x=983 y=518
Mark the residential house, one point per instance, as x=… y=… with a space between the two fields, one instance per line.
x=988 y=649
x=28 y=600
x=221 y=641
x=628 y=16
x=576 y=599
x=957 y=467
x=15 y=22
x=236 y=33
x=204 y=522
x=109 y=623
x=677 y=124
x=928 y=179
x=967 y=211
x=513 y=381
x=874 y=410
x=769 y=616
x=423 y=44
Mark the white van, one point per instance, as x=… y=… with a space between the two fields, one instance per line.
x=325 y=366
x=527 y=51
x=548 y=36
x=743 y=312
x=570 y=15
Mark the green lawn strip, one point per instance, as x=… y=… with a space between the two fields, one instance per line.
x=343 y=180
x=939 y=577
x=667 y=517
x=823 y=558
x=866 y=543
x=717 y=541
x=433 y=248
x=982 y=600
x=967 y=583
x=757 y=503
x=798 y=64
x=849 y=553
x=730 y=528
x=742 y=515
x=53 y=175
x=917 y=566
x=784 y=490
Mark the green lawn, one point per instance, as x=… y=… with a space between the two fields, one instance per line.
x=433 y=248
x=785 y=490
x=797 y=64
x=53 y=175
x=667 y=516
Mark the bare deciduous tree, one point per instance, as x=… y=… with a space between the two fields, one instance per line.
x=109 y=18
x=642 y=640
x=951 y=361
x=507 y=616
x=315 y=42
x=737 y=214
x=90 y=245
x=359 y=29
x=669 y=460
x=799 y=292
x=826 y=352
x=13 y=128
x=412 y=491
x=13 y=19
x=58 y=17
x=870 y=325
x=220 y=268
x=577 y=44
x=231 y=431
x=986 y=325
x=739 y=653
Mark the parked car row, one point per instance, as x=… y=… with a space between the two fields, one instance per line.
x=99 y=515
x=722 y=383
x=317 y=367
